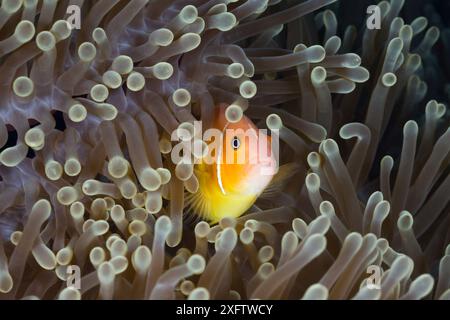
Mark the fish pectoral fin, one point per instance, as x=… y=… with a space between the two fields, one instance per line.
x=279 y=181
x=198 y=205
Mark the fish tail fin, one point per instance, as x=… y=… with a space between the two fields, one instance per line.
x=281 y=178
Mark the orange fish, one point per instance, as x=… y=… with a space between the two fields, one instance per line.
x=242 y=167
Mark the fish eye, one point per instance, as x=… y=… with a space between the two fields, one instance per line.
x=235 y=143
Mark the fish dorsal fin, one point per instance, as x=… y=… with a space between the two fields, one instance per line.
x=279 y=181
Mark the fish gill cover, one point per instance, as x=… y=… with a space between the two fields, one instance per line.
x=93 y=207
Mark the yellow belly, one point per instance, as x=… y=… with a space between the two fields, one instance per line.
x=222 y=206
x=212 y=204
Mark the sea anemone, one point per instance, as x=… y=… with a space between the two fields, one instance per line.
x=88 y=188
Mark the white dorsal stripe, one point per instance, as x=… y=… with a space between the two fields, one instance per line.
x=219 y=173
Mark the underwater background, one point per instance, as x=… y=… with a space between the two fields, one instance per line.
x=87 y=182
